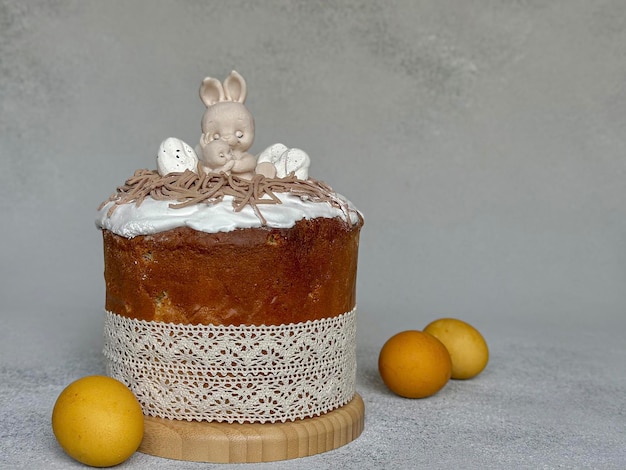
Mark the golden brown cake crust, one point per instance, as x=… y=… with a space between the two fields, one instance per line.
x=254 y=276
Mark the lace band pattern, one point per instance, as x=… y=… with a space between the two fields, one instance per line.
x=234 y=373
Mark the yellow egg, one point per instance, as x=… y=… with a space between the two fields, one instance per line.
x=467 y=347
x=98 y=421
x=414 y=364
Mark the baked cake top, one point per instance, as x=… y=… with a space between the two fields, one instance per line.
x=219 y=186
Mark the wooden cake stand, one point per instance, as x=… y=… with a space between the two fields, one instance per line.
x=253 y=442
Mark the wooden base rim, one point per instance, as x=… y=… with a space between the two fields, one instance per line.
x=253 y=442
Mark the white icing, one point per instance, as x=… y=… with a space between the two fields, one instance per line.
x=153 y=216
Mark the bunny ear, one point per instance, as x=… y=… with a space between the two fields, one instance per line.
x=235 y=87
x=211 y=91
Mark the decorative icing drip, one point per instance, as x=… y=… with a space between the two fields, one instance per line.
x=189 y=188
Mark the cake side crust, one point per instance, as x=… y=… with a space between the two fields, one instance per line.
x=254 y=276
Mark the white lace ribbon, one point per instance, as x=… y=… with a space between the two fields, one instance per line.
x=234 y=373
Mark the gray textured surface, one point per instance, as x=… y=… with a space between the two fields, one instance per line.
x=484 y=141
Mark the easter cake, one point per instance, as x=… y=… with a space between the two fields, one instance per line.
x=231 y=281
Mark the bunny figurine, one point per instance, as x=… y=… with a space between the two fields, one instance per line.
x=227 y=119
x=227 y=134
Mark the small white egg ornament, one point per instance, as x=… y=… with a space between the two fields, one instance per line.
x=286 y=160
x=296 y=161
x=272 y=153
x=175 y=156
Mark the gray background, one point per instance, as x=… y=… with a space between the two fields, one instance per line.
x=485 y=142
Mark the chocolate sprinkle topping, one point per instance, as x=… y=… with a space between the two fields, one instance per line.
x=189 y=188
